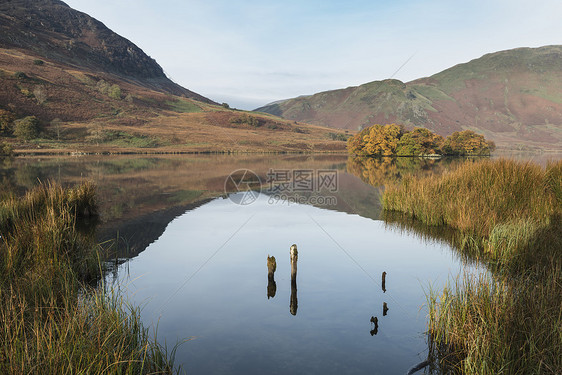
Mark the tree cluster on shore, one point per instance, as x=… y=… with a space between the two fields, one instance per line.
x=394 y=140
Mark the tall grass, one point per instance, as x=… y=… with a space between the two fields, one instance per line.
x=51 y=320
x=500 y=206
x=508 y=214
x=485 y=325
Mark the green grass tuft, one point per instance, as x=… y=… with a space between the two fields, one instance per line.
x=51 y=320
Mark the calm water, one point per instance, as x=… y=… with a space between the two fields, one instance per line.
x=196 y=261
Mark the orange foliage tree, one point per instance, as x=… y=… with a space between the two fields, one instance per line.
x=393 y=140
x=382 y=140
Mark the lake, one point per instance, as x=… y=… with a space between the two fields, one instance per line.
x=193 y=238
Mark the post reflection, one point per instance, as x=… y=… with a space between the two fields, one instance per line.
x=271 y=285
x=293 y=306
x=375 y=325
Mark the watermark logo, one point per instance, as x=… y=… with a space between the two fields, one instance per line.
x=302 y=180
x=284 y=186
x=246 y=184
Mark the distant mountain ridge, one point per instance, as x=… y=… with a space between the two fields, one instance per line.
x=513 y=97
x=53 y=30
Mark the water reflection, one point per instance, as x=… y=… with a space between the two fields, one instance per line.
x=157 y=203
x=294 y=304
x=381 y=171
x=402 y=223
x=375 y=325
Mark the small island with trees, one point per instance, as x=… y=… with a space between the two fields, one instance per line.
x=395 y=140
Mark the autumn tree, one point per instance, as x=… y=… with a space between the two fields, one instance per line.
x=356 y=144
x=393 y=140
x=467 y=142
x=418 y=142
x=382 y=140
x=26 y=128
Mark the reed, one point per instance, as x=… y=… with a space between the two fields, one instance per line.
x=485 y=325
x=509 y=215
x=53 y=320
x=500 y=206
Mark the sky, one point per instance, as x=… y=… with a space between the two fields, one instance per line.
x=248 y=53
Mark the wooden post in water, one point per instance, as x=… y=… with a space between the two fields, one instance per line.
x=271 y=285
x=384 y=282
x=294 y=258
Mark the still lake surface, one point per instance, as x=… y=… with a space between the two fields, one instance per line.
x=195 y=260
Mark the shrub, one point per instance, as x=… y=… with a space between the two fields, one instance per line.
x=38 y=62
x=337 y=137
x=20 y=75
x=103 y=87
x=114 y=92
x=25 y=92
x=40 y=94
x=6 y=122
x=248 y=120
x=26 y=128
x=6 y=149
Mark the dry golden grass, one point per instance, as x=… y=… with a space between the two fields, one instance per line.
x=143 y=120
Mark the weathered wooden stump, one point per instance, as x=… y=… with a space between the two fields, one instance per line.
x=384 y=309
x=294 y=258
x=384 y=282
x=271 y=285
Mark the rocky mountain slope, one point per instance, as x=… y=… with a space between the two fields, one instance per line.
x=54 y=31
x=513 y=97
x=94 y=91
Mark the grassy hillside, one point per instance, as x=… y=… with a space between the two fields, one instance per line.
x=512 y=97
x=93 y=91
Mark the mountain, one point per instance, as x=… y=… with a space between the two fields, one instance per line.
x=53 y=30
x=513 y=97
x=95 y=91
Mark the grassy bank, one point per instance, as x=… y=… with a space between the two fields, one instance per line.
x=53 y=320
x=507 y=214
